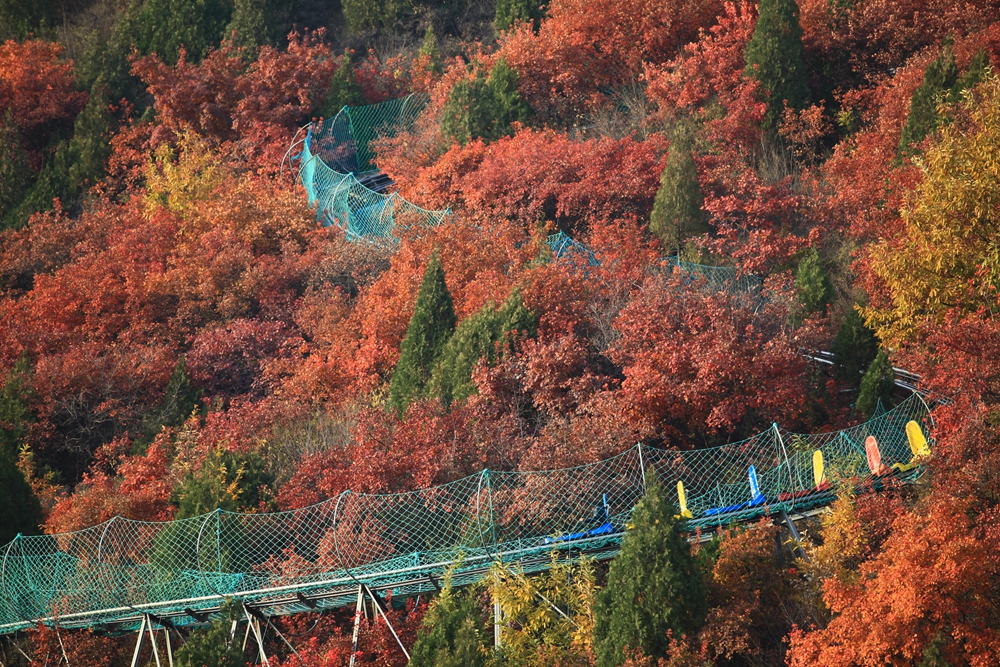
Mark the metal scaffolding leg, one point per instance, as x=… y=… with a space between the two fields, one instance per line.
x=152 y=640
x=170 y=650
x=357 y=624
x=254 y=625
x=138 y=643
x=378 y=608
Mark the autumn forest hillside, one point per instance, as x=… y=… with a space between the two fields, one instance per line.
x=178 y=334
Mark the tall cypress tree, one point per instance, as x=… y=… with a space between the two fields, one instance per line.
x=20 y=511
x=775 y=57
x=479 y=336
x=452 y=634
x=854 y=349
x=431 y=326
x=655 y=585
x=941 y=83
x=485 y=106
x=939 y=78
x=878 y=383
x=812 y=285
x=15 y=172
x=677 y=210
x=344 y=90
x=510 y=11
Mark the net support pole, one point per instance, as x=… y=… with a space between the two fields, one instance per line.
x=795 y=535
x=642 y=466
x=254 y=625
x=357 y=625
x=170 y=650
x=139 y=642
x=497 y=616
x=378 y=610
x=152 y=640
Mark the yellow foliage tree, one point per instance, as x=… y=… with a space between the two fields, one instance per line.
x=548 y=619
x=180 y=176
x=949 y=255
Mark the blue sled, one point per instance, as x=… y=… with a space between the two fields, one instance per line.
x=603 y=529
x=756 y=497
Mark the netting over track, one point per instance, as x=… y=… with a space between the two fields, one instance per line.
x=337 y=153
x=114 y=572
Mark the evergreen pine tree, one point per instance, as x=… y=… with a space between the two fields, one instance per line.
x=76 y=164
x=655 y=585
x=15 y=172
x=479 y=336
x=365 y=16
x=167 y=25
x=431 y=326
x=510 y=11
x=212 y=645
x=226 y=480
x=484 y=107
x=249 y=27
x=429 y=49
x=775 y=57
x=854 y=349
x=878 y=383
x=180 y=398
x=20 y=511
x=978 y=67
x=812 y=285
x=452 y=633
x=677 y=210
x=19 y=18
x=344 y=90
x=940 y=77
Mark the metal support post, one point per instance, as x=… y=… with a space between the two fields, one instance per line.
x=357 y=625
x=138 y=642
x=497 y=612
x=642 y=466
x=795 y=535
x=152 y=639
x=170 y=650
x=378 y=610
x=254 y=625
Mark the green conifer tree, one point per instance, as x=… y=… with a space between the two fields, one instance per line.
x=655 y=585
x=231 y=481
x=167 y=25
x=878 y=383
x=941 y=83
x=212 y=646
x=365 y=16
x=452 y=633
x=250 y=27
x=481 y=335
x=344 y=90
x=15 y=172
x=854 y=349
x=180 y=398
x=510 y=11
x=20 y=511
x=484 y=107
x=775 y=57
x=76 y=164
x=940 y=77
x=812 y=285
x=677 y=210
x=429 y=49
x=19 y=18
x=432 y=324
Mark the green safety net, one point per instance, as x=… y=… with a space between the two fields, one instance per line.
x=113 y=573
x=335 y=157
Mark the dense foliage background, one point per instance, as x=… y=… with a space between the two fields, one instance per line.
x=177 y=334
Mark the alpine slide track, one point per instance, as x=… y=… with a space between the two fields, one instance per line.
x=126 y=576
